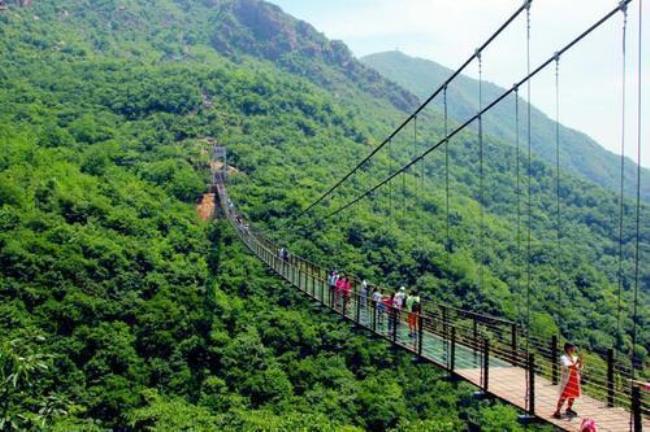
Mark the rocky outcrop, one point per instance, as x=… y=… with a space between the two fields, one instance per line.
x=260 y=29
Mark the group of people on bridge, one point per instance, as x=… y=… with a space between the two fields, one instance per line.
x=393 y=306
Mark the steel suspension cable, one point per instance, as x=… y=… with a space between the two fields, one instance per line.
x=518 y=191
x=387 y=140
x=390 y=185
x=416 y=193
x=447 y=213
x=528 y=255
x=558 y=214
x=621 y=212
x=481 y=176
x=403 y=198
x=530 y=178
x=488 y=107
x=635 y=310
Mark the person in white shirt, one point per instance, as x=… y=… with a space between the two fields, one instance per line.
x=363 y=294
x=570 y=390
x=378 y=305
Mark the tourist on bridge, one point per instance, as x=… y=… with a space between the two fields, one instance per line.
x=399 y=300
x=570 y=390
x=391 y=302
x=413 y=310
x=344 y=294
x=332 y=279
x=283 y=254
x=400 y=297
x=377 y=304
x=363 y=294
x=338 y=290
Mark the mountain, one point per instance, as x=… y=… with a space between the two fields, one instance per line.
x=120 y=309
x=579 y=154
x=262 y=30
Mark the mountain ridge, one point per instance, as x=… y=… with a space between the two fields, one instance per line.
x=421 y=76
x=263 y=30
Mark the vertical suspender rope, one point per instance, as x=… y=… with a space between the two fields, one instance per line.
x=529 y=403
x=416 y=193
x=558 y=220
x=403 y=204
x=481 y=175
x=518 y=197
x=422 y=171
x=530 y=177
x=621 y=212
x=635 y=310
x=390 y=183
x=447 y=215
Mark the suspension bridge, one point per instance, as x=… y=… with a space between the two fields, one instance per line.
x=501 y=357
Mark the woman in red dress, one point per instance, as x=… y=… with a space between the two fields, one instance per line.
x=570 y=389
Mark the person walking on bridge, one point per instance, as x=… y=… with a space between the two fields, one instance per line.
x=332 y=279
x=363 y=295
x=570 y=390
x=338 y=291
x=412 y=308
x=377 y=304
x=346 y=291
x=399 y=300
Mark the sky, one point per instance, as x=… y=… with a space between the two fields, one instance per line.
x=448 y=32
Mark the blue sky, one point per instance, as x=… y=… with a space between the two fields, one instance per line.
x=590 y=75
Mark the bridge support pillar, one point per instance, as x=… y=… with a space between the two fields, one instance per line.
x=637 y=420
x=555 y=360
x=485 y=371
x=452 y=351
x=530 y=417
x=610 y=377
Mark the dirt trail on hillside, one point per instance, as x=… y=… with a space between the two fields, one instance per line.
x=206 y=207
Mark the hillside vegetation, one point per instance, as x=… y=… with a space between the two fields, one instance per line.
x=120 y=309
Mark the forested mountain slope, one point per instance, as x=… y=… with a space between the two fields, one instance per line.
x=579 y=154
x=146 y=318
x=119 y=308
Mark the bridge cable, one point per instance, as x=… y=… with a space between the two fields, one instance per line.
x=416 y=194
x=558 y=213
x=481 y=177
x=518 y=193
x=621 y=213
x=528 y=255
x=387 y=140
x=635 y=314
x=488 y=107
x=403 y=200
x=447 y=210
x=390 y=184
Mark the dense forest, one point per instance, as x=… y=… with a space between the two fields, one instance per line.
x=121 y=309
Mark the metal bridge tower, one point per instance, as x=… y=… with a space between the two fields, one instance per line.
x=219 y=164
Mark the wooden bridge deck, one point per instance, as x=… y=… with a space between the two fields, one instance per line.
x=509 y=384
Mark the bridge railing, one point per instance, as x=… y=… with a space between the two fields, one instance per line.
x=450 y=337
